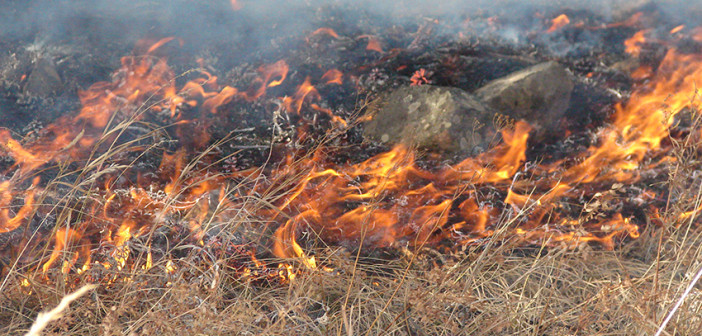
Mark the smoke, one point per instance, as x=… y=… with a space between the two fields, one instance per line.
x=216 y=20
x=262 y=25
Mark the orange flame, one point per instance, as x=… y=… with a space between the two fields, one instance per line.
x=558 y=23
x=392 y=175
x=373 y=43
x=325 y=31
x=294 y=104
x=7 y=222
x=270 y=72
x=333 y=76
x=634 y=43
x=64 y=239
x=677 y=29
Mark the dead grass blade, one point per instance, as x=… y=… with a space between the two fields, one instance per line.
x=44 y=318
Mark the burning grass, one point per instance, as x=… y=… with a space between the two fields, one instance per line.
x=133 y=193
x=495 y=288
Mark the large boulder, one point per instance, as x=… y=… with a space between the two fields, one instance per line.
x=430 y=117
x=538 y=94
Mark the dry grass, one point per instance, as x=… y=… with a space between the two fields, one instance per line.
x=492 y=291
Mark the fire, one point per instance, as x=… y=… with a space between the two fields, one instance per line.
x=632 y=21
x=7 y=221
x=65 y=239
x=271 y=75
x=677 y=29
x=387 y=200
x=333 y=76
x=419 y=78
x=634 y=43
x=125 y=216
x=423 y=198
x=324 y=31
x=558 y=23
x=373 y=43
x=294 y=104
x=638 y=128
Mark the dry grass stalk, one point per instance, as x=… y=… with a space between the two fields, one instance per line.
x=44 y=318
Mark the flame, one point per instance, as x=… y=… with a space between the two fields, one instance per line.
x=677 y=29
x=634 y=43
x=690 y=214
x=10 y=223
x=269 y=72
x=424 y=198
x=131 y=210
x=64 y=239
x=294 y=104
x=324 y=31
x=633 y=21
x=333 y=76
x=419 y=78
x=170 y=267
x=420 y=211
x=373 y=43
x=558 y=23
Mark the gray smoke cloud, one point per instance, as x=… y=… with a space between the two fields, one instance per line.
x=199 y=19
x=202 y=24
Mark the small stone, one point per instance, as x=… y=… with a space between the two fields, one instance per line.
x=44 y=81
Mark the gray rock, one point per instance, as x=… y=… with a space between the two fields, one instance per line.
x=538 y=94
x=452 y=120
x=430 y=117
x=43 y=81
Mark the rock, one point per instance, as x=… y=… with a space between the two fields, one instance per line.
x=452 y=120
x=626 y=66
x=475 y=71
x=430 y=117
x=538 y=94
x=43 y=81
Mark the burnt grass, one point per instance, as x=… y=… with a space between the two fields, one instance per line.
x=496 y=286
